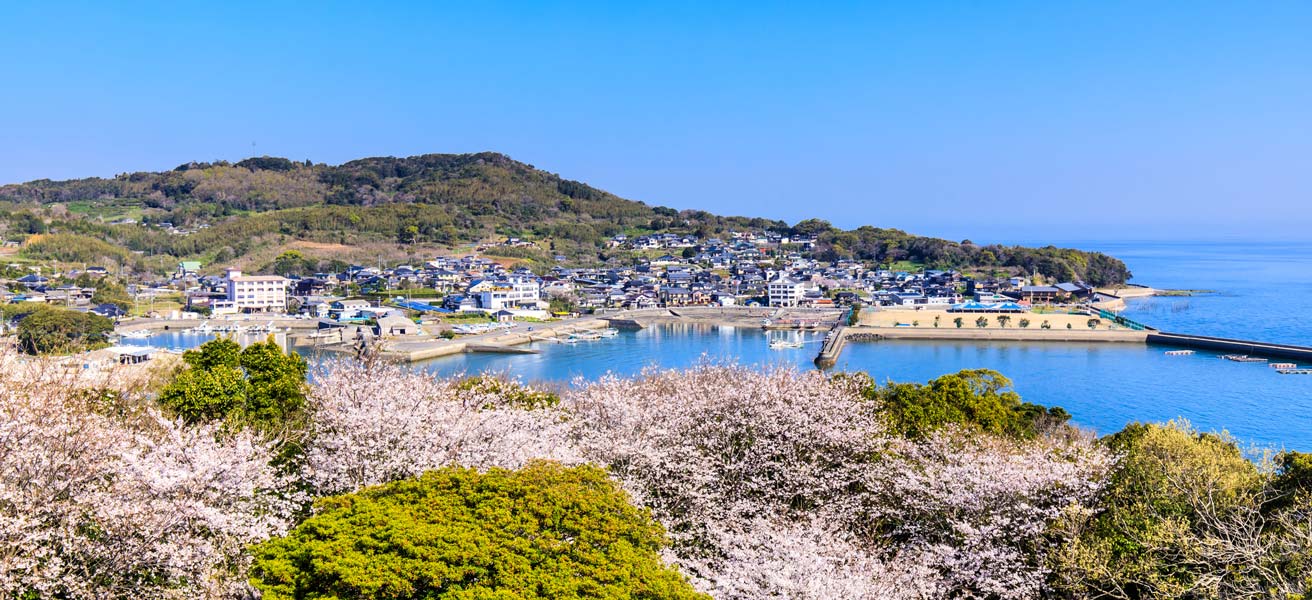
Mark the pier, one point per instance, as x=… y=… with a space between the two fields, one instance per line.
x=1231 y=346
x=832 y=346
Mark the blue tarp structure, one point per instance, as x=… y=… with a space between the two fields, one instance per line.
x=1004 y=307
x=419 y=306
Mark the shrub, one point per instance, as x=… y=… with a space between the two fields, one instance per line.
x=976 y=399
x=544 y=531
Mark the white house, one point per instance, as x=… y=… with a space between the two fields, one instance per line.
x=256 y=293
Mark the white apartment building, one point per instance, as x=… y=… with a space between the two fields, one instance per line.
x=786 y=291
x=509 y=293
x=256 y=293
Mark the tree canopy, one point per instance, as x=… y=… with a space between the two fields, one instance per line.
x=544 y=531
x=260 y=385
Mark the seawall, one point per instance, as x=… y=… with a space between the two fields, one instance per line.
x=1010 y=334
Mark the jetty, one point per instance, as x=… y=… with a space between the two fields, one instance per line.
x=1252 y=349
x=832 y=346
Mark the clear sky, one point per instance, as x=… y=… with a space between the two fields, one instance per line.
x=1005 y=120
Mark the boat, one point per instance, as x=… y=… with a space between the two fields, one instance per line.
x=785 y=344
x=1283 y=365
x=1179 y=352
x=609 y=332
x=203 y=328
x=139 y=334
x=1244 y=358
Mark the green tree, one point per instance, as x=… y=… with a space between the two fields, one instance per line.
x=982 y=322
x=544 y=531
x=1003 y=320
x=43 y=329
x=291 y=262
x=1024 y=323
x=1168 y=501
x=978 y=398
x=259 y=386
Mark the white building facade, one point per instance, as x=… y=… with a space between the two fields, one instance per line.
x=510 y=293
x=786 y=292
x=256 y=293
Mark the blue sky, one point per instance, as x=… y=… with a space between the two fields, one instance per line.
x=1094 y=119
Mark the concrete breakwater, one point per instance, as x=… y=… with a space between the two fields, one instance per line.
x=996 y=335
x=1215 y=344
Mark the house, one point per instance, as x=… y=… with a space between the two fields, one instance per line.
x=1039 y=294
x=394 y=325
x=111 y=311
x=187 y=268
x=347 y=310
x=504 y=316
x=676 y=296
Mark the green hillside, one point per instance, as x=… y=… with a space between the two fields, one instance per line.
x=248 y=209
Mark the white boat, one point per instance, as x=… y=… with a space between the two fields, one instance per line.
x=203 y=328
x=139 y=334
x=609 y=332
x=785 y=344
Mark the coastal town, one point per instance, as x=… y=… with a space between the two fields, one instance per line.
x=422 y=306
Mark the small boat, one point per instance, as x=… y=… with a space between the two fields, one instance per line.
x=203 y=328
x=1179 y=352
x=785 y=344
x=139 y=334
x=1283 y=365
x=609 y=332
x=1244 y=358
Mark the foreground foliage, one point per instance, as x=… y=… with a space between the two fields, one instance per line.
x=767 y=484
x=544 y=531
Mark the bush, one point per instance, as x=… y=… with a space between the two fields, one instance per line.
x=1186 y=514
x=978 y=399
x=544 y=531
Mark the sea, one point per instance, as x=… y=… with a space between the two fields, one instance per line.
x=1248 y=290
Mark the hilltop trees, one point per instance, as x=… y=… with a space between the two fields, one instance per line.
x=434 y=198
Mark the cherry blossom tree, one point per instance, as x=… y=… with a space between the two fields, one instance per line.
x=373 y=422
x=101 y=496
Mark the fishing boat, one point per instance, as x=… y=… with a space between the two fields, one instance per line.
x=203 y=328
x=609 y=332
x=1244 y=358
x=1179 y=352
x=785 y=344
x=139 y=334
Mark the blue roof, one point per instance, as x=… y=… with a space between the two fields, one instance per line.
x=995 y=306
x=419 y=306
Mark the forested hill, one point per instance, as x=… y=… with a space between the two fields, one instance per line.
x=430 y=200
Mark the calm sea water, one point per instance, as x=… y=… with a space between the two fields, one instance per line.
x=1260 y=291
